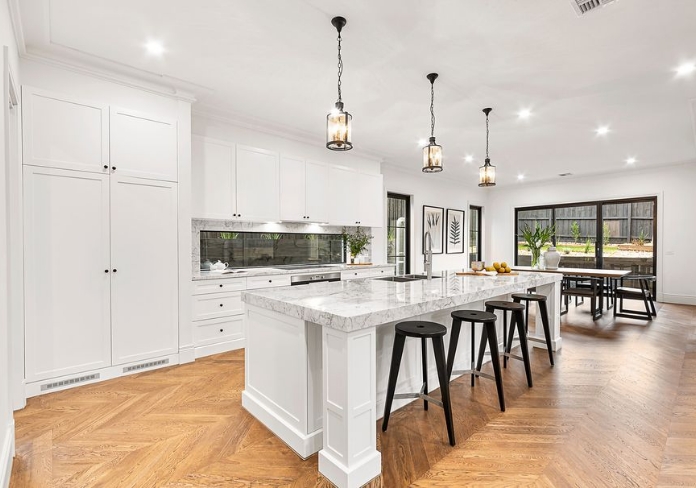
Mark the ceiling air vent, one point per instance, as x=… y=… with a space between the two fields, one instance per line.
x=584 y=6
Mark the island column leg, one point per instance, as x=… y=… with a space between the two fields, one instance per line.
x=349 y=457
x=553 y=305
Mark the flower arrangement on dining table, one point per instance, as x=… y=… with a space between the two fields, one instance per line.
x=536 y=239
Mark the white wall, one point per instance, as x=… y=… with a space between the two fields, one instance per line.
x=434 y=190
x=6 y=420
x=675 y=188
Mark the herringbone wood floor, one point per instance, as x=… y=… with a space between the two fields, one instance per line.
x=618 y=409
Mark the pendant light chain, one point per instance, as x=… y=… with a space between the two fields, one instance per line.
x=432 y=109
x=487 y=134
x=340 y=66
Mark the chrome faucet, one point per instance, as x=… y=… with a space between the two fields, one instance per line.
x=428 y=256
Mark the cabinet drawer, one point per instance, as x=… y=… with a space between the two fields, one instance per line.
x=215 y=305
x=354 y=274
x=254 y=282
x=218 y=330
x=219 y=286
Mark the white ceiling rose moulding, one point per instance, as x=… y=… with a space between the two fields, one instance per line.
x=104 y=69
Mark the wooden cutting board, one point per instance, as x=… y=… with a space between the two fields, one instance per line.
x=359 y=264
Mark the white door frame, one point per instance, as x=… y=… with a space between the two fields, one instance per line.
x=15 y=245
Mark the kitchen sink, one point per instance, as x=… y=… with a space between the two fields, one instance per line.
x=406 y=278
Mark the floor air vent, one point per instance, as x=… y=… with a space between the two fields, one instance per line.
x=71 y=381
x=151 y=364
x=584 y=6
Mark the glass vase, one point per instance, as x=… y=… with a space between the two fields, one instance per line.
x=536 y=254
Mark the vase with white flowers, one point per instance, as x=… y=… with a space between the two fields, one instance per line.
x=536 y=239
x=355 y=242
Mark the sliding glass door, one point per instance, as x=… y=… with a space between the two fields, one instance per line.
x=613 y=234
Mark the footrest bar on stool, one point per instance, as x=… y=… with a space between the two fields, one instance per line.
x=400 y=396
x=475 y=373
x=513 y=356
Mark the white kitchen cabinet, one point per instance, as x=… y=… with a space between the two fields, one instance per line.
x=258 y=189
x=144 y=281
x=66 y=272
x=64 y=132
x=304 y=191
x=357 y=199
x=213 y=179
x=143 y=145
x=356 y=273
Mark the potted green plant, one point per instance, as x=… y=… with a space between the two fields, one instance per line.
x=536 y=239
x=355 y=242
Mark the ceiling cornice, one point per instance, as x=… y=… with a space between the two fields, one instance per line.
x=261 y=125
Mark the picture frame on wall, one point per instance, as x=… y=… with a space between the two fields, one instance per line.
x=434 y=222
x=455 y=231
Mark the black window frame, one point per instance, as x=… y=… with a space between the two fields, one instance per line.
x=478 y=211
x=409 y=223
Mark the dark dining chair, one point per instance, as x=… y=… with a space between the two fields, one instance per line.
x=585 y=287
x=643 y=293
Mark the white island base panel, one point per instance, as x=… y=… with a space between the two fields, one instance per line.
x=323 y=389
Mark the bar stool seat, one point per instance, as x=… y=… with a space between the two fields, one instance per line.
x=543 y=311
x=517 y=318
x=488 y=333
x=423 y=330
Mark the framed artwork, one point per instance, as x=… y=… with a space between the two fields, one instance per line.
x=434 y=222
x=455 y=231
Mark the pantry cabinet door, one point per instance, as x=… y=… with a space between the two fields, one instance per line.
x=317 y=191
x=258 y=189
x=143 y=145
x=64 y=132
x=213 y=193
x=144 y=289
x=66 y=272
x=292 y=189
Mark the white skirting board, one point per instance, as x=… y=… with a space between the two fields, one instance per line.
x=220 y=347
x=6 y=454
x=678 y=299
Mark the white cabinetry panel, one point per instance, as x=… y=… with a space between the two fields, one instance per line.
x=61 y=132
x=143 y=146
x=292 y=189
x=370 y=200
x=213 y=179
x=66 y=272
x=317 y=192
x=343 y=186
x=258 y=191
x=144 y=290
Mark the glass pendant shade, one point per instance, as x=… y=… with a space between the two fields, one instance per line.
x=487 y=174
x=338 y=129
x=432 y=157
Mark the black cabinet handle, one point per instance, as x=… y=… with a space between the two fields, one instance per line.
x=113 y=168
x=270 y=281
x=221 y=304
x=106 y=271
x=234 y=215
x=239 y=215
x=222 y=330
x=115 y=270
x=220 y=286
x=106 y=166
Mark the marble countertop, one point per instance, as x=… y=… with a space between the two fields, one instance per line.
x=358 y=304
x=215 y=275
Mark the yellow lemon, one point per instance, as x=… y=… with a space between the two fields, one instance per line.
x=503 y=264
x=507 y=269
x=496 y=265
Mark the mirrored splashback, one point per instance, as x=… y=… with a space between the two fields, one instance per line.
x=252 y=249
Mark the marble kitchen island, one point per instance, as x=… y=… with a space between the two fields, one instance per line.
x=317 y=357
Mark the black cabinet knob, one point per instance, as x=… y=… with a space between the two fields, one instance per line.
x=113 y=168
x=106 y=166
x=222 y=330
x=234 y=215
x=221 y=304
x=106 y=271
x=239 y=215
x=115 y=270
x=220 y=286
x=270 y=281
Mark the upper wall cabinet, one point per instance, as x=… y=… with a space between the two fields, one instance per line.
x=357 y=199
x=213 y=179
x=143 y=146
x=65 y=133
x=258 y=190
x=304 y=190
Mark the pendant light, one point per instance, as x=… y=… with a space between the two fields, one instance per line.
x=432 y=153
x=487 y=171
x=338 y=122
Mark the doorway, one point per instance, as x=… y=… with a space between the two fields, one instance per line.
x=399 y=232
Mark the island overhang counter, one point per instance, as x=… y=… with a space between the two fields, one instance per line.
x=317 y=357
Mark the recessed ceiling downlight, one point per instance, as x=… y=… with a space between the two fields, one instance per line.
x=602 y=130
x=154 y=47
x=686 y=69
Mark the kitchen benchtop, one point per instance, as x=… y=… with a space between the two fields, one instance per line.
x=358 y=304
x=216 y=275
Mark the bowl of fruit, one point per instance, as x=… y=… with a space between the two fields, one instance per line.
x=500 y=268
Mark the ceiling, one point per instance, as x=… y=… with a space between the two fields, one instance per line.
x=274 y=62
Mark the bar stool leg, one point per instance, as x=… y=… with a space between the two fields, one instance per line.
x=543 y=311
x=505 y=325
x=397 y=352
x=518 y=318
x=424 y=354
x=454 y=340
x=482 y=348
x=526 y=316
x=473 y=335
x=511 y=335
x=440 y=361
x=495 y=359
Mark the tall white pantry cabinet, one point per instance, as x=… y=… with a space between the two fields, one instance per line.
x=100 y=237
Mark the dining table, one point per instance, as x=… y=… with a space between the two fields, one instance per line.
x=610 y=276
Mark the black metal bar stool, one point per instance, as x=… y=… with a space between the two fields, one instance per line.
x=423 y=330
x=517 y=318
x=488 y=332
x=543 y=311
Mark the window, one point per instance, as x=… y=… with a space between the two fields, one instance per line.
x=611 y=234
x=398 y=232
x=475 y=234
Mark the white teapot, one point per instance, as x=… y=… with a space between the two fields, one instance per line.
x=218 y=266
